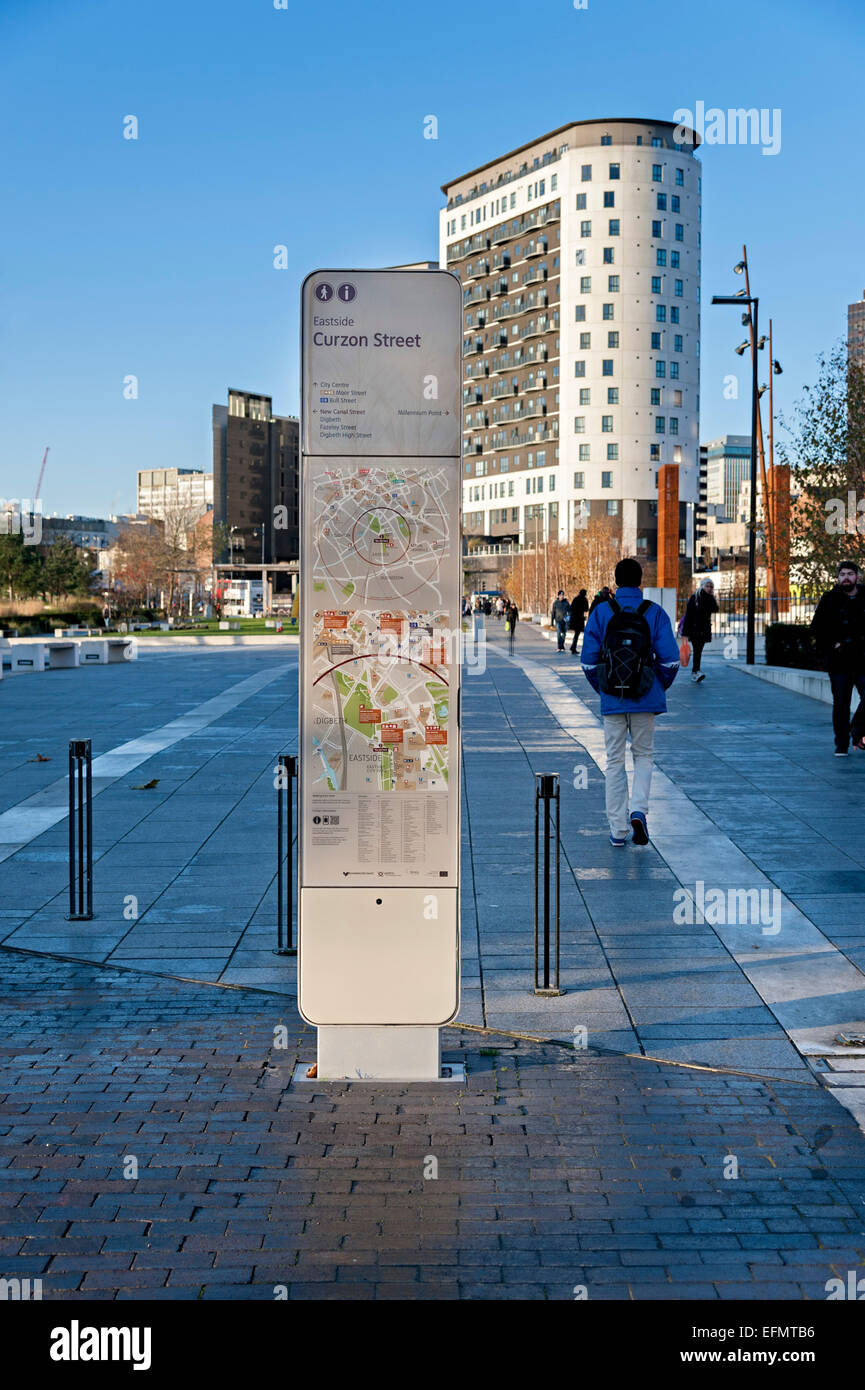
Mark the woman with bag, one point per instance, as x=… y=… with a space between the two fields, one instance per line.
x=697 y=625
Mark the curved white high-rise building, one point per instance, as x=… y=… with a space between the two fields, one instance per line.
x=579 y=255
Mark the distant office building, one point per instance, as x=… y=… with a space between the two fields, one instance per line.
x=579 y=255
x=700 y=508
x=255 y=472
x=856 y=331
x=85 y=532
x=728 y=465
x=167 y=492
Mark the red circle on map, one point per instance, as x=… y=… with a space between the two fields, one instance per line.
x=394 y=559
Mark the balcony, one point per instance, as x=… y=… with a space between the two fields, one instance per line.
x=501 y=287
x=501 y=261
x=473 y=346
x=475 y=270
x=535 y=248
x=535 y=327
x=475 y=296
x=535 y=275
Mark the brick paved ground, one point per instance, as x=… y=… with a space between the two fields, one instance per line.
x=555 y=1169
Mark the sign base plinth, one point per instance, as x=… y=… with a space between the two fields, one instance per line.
x=393 y=1053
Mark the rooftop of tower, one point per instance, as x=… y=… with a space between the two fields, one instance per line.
x=506 y=167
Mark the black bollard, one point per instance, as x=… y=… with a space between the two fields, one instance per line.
x=285 y=800
x=546 y=881
x=80 y=830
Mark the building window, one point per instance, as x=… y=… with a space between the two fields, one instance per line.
x=657 y=229
x=608 y=258
x=674 y=313
x=607 y=478
x=609 y=199
x=612 y=453
x=606 y=139
x=613 y=339
x=657 y=173
x=655 y=395
x=579 y=369
x=655 y=455
x=580 y=424
x=677 y=398
x=674 y=202
x=656 y=284
x=606 y=424
x=581 y=202
x=580 y=313
x=660 y=313
x=551 y=483
x=662 y=202
x=679 y=288
x=656 y=342
x=585 y=395
x=680 y=232
x=660 y=424
x=677 y=343
x=585 y=229
x=612 y=284
x=660 y=369
x=660 y=258
x=677 y=454
x=674 y=371
x=586 y=173
x=579 y=480
x=613 y=507
x=612 y=395
x=615 y=171
x=585 y=341
x=674 y=259
x=554 y=182
x=674 y=424
x=607 y=311
x=585 y=453
x=607 y=366
x=585 y=284
x=680 y=178
x=614 y=226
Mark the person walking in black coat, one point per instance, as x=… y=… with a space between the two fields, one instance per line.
x=600 y=597
x=579 y=609
x=560 y=617
x=838 y=627
x=697 y=626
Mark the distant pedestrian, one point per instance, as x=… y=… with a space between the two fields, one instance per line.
x=487 y=605
x=579 y=609
x=500 y=607
x=631 y=657
x=512 y=617
x=697 y=624
x=600 y=597
x=838 y=627
x=560 y=617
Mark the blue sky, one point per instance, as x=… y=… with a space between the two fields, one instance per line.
x=304 y=126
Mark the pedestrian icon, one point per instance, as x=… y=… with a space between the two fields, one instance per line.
x=347 y=292
x=324 y=292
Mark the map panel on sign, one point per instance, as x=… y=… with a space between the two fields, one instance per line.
x=380 y=704
x=383 y=534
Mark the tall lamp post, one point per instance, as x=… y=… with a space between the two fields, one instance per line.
x=743 y=298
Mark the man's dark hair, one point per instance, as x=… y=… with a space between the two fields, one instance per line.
x=629 y=574
x=848 y=565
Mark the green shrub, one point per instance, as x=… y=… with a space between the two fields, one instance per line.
x=791 y=644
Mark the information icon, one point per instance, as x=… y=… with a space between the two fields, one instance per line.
x=324 y=292
x=347 y=292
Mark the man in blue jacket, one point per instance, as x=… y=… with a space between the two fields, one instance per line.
x=623 y=714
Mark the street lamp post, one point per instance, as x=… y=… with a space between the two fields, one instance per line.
x=740 y=299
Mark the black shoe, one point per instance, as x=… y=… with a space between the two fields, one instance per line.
x=842 y=752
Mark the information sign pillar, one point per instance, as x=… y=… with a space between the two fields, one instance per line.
x=381 y=646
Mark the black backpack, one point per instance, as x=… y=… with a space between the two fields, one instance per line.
x=627 y=668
